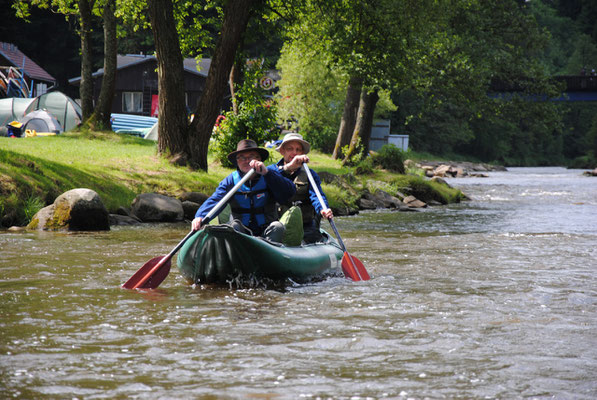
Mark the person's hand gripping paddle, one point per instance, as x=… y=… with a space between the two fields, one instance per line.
x=352 y=267
x=154 y=271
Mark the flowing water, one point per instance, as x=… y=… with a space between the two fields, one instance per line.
x=491 y=298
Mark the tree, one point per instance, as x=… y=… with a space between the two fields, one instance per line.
x=349 y=115
x=86 y=85
x=189 y=143
x=310 y=94
x=234 y=24
x=372 y=42
x=84 y=11
x=100 y=119
x=172 y=120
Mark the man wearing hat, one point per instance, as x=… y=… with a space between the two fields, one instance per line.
x=254 y=205
x=294 y=151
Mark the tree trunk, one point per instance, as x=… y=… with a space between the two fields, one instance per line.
x=349 y=115
x=364 y=123
x=236 y=17
x=236 y=78
x=103 y=110
x=172 y=119
x=86 y=88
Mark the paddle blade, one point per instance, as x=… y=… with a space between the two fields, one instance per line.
x=150 y=275
x=353 y=268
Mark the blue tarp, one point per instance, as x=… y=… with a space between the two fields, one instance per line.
x=129 y=123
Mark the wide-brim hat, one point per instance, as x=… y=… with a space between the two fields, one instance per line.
x=295 y=137
x=246 y=145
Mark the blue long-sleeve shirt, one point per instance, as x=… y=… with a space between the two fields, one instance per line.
x=312 y=195
x=281 y=188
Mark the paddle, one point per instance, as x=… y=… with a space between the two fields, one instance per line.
x=352 y=267
x=154 y=271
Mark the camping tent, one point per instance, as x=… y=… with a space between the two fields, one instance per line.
x=65 y=109
x=153 y=133
x=40 y=121
x=12 y=109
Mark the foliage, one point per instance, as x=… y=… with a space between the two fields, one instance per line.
x=310 y=94
x=426 y=190
x=31 y=206
x=450 y=111
x=323 y=139
x=390 y=157
x=357 y=154
x=364 y=167
x=256 y=118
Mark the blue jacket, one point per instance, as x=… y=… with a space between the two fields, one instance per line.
x=312 y=195
x=278 y=189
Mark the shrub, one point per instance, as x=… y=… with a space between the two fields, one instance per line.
x=323 y=140
x=256 y=118
x=365 y=167
x=391 y=158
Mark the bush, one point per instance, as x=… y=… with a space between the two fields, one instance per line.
x=365 y=167
x=323 y=140
x=391 y=158
x=256 y=118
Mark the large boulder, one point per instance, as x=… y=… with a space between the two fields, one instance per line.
x=75 y=210
x=154 y=207
x=190 y=209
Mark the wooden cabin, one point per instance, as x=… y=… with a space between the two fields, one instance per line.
x=136 y=89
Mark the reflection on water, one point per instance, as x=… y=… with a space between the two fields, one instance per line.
x=490 y=298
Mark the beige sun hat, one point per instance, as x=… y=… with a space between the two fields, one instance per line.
x=295 y=137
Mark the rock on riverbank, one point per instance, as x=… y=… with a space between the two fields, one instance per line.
x=455 y=169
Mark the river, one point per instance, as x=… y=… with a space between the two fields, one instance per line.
x=495 y=297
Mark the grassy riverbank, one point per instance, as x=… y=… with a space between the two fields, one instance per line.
x=34 y=171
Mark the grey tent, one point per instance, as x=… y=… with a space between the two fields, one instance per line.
x=12 y=109
x=40 y=121
x=65 y=109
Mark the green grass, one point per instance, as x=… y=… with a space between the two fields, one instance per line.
x=34 y=171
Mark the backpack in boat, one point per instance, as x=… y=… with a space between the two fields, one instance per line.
x=292 y=220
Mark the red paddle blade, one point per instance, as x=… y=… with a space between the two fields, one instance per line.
x=150 y=275
x=353 y=268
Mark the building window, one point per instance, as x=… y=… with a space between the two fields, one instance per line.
x=132 y=102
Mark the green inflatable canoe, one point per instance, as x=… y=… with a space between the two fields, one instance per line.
x=219 y=254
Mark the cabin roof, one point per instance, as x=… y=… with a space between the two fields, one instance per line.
x=18 y=59
x=199 y=67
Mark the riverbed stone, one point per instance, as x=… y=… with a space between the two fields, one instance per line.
x=155 y=207
x=195 y=197
x=382 y=199
x=190 y=209
x=413 y=202
x=75 y=210
x=119 y=219
x=366 y=204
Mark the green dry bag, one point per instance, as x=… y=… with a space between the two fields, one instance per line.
x=292 y=220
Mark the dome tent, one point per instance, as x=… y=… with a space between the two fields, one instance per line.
x=40 y=121
x=12 y=109
x=65 y=109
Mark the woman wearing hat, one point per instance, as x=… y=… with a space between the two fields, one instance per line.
x=254 y=205
x=294 y=151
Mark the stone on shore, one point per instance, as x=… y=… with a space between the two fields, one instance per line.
x=413 y=202
x=591 y=173
x=74 y=210
x=155 y=207
x=454 y=169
